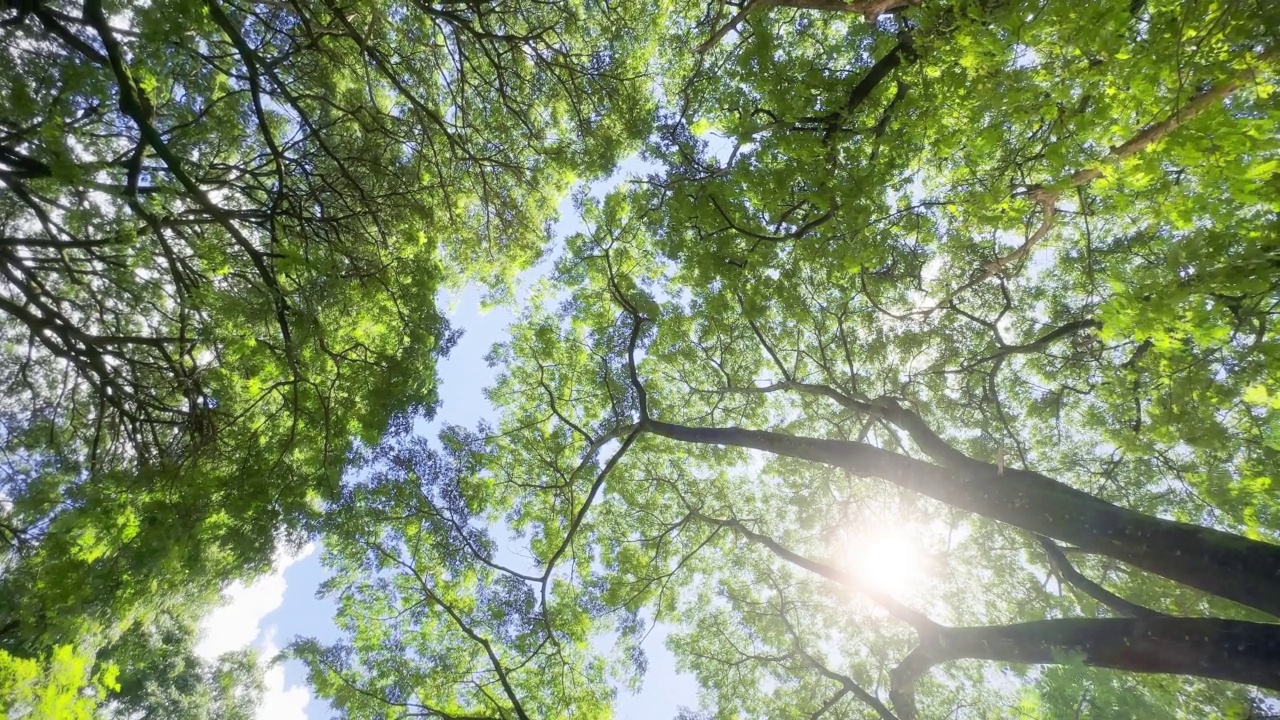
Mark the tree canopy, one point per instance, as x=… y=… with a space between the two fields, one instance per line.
x=223 y=226
x=992 y=280
x=924 y=368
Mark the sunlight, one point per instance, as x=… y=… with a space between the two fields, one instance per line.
x=889 y=559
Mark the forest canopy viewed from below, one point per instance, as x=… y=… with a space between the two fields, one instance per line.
x=868 y=359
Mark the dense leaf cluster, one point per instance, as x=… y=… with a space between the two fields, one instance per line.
x=996 y=277
x=223 y=226
x=1001 y=277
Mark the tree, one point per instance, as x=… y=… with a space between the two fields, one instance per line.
x=57 y=688
x=998 y=275
x=222 y=230
x=159 y=675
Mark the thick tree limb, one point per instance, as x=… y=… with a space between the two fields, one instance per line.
x=1158 y=131
x=945 y=454
x=1233 y=650
x=876 y=75
x=1229 y=566
x=883 y=408
x=747 y=7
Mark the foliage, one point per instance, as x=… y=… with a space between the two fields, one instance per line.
x=223 y=226
x=996 y=276
x=432 y=631
x=159 y=675
x=995 y=280
x=58 y=687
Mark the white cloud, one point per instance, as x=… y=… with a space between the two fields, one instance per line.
x=279 y=702
x=238 y=623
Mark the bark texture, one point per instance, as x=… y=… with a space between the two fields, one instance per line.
x=1219 y=563
x=1233 y=650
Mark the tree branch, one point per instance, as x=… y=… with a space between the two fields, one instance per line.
x=1229 y=566
x=1061 y=565
x=1045 y=197
x=1233 y=650
x=916 y=619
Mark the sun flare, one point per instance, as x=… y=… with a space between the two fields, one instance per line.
x=890 y=560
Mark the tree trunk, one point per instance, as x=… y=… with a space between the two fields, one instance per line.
x=1219 y=563
x=1234 y=650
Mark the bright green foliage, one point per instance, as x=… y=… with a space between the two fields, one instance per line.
x=995 y=278
x=431 y=631
x=56 y=688
x=1044 y=232
x=223 y=226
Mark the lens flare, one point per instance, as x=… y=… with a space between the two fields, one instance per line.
x=890 y=560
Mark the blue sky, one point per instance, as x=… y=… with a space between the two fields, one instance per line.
x=283 y=605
